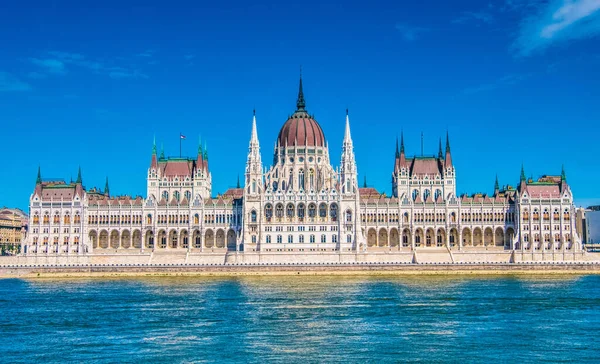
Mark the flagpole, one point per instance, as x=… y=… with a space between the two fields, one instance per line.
x=180 y=144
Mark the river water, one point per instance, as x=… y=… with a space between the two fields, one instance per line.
x=302 y=319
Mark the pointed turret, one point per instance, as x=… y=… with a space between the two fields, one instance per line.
x=200 y=156
x=440 y=154
x=300 y=103
x=496 y=187
x=523 y=177
x=238 y=182
x=253 y=181
x=79 y=176
x=365 y=182
x=348 y=171
x=39 y=176
x=162 y=151
x=153 y=161
x=448 y=159
x=563 y=175
x=106 y=189
x=397 y=150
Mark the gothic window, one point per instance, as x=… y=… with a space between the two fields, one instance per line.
x=333 y=212
x=253 y=216
x=279 y=210
x=438 y=193
x=348 y=238
x=405 y=218
x=526 y=215
x=566 y=215
x=56 y=218
x=426 y=195
x=323 y=238
x=253 y=186
x=556 y=216
x=348 y=216
x=323 y=210
x=546 y=215
x=301 y=239
x=312 y=238
x=275 y=186
x=36 y=218
x=67 y=218
x=176 y=195
x=188 y=195
x=334 y=238
x=165 y=195
x=536 y=215
x=415 y=194
x=268 y=239
x=290 y=239
x=312 y=179
x=301 y=210
x=279 y=239
x=283 y=185
x=312 y=210
x=290 y=211
x=269 y=211
x=301 y=179
x=453 y=217
x=348 y=185
x=196 y=219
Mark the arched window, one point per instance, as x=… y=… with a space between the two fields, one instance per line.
x=268 y=239
x=56 y=218
x=323 y=210
x=323 y=238
x=348 y=216
x=301 y=239
x=67 y=218
x=312 y=210
x=333 y=212
x=46 y=218
x=438 y=193
x=279 y=239
x=290 y=211
x=149 y=219
x=526 y=215
x=269 y=211
x=453 y=217
x=253 y=216
x=536 y=215
x=77 y=218
x=301 y=210
x=348 y=186
x=312 y=179
x=405 y=217
x=176 y=195
x=253 y=186
x=348 y=238
x=415 y=194
x=556 y=215
x=279 y=210
x=334 y=238
x=312 y=238
x=426 y=195
x=566 y=215
x=275 y=186
x=290 y=239
x=301 y=179
x=165 y=195
x=36 y=218
x=546 y=215
x=188 y=195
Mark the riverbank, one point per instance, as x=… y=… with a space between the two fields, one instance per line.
x=225 y=270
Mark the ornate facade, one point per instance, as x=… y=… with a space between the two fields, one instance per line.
x=301 y=204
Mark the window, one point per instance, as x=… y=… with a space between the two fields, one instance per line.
x=312 y=210
x=176 y=196
x=323 y=238
x=290 y=239
x=333 y=212
x=196 y=219
x=348 y=216
x=279 y=210
x=188 y=195
x=426 y=195
x=279 y=239
x=301 y=211
x=269 y=211
x=253 y=239
x=290 y=210
x=415 y=194
x=438 y=193
x=301 y=179
x=268 y=239
x=323 y=210
x=301 y=239
x=253 y=216
x=334 y=238
x=312 y=179
x=312 y=238
x=165 y=195
x=348 y=238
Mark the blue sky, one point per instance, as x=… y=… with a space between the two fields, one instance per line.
x=514 y=82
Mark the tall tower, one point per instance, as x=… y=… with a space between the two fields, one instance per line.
x=449 y=171
x=253 y=189
x=348 y=173
x=400 y=177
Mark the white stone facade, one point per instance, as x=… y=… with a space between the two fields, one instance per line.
x=301 y=205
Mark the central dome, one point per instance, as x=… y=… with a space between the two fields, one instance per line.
x=301 y=129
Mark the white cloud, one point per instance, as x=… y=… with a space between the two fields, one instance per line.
x=53 y=66
x=507 y=80
x=556 y=22
x=8 y=82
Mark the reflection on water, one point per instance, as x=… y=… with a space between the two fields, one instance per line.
x=294 y=318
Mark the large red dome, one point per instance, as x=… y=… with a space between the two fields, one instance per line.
x=301 y=129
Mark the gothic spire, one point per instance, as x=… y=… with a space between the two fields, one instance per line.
x=397 y=152
x=154 y=146
x=365 y=182
x=447 y=142
x=523 y=178
x=254 y=135
x=78 y=176
x=205 y=151
x=39 y=176
x=347 y=137
x=401 y=142
x=238 y=182
x=106 y=189
x=200 y=153
x=300 y=103
x=440 y=155
x=496 y=185
x=162 y=151
x=448 y=159
x=563 y=175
